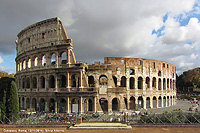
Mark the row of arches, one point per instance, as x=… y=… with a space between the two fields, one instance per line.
x=49 y=82
x=140 y=82
x=52 y=105
x=42 y=60
x=74 y=105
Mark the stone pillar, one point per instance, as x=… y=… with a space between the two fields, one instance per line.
x=136 y=103
x=81 y=105
x=157 y=103
x=67 y=82
x=157 y=82
x=109 y=105
x=150 y=83
x=68 y=55
x=67 y=108
x=128 y=101
x=56 y=82
x=144 y=84
x=95 y=105
x=161 y=84
x=56 y=106
x=46 y=106
x=81 y=79
x=46 y=83
x=162 y=102
x=136 y=83
x=151 y=102
x=144 y=102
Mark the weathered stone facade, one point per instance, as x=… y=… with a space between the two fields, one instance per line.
x=49 y=79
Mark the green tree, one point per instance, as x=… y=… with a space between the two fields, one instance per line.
x=9 y=102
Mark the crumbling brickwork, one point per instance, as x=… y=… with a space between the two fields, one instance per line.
x=49 y=78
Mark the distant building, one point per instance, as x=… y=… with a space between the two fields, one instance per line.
x=49 y=78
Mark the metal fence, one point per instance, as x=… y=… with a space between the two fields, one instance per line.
x=167 y=118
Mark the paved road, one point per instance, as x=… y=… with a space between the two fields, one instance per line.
x=180 y=104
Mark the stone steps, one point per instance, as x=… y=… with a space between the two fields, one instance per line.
x=100 y=126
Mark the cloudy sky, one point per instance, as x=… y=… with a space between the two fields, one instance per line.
x=167 y=30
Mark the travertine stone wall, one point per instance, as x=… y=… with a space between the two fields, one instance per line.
x=49 y=78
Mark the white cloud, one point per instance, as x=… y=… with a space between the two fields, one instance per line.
x=9 y=70
x=1 y=59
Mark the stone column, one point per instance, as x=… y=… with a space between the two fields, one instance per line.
x=56 y=82
x=95 y=105
x=144 y=103
x=46 y=106
x=56 y=106
x=67 y=82
x=81 y=79
x=67 y=108
x=68 y=55
x=81 y=105
x=157 y=82
x=109 y=105
x=136 y=103
x=150 y=83
x=151 y=102
x=161 y=84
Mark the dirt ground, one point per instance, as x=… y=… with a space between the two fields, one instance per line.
x=135 y=129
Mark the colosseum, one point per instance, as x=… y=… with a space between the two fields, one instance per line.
x=49 y=78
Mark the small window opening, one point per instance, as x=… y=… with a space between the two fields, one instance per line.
x=164 y=65
x=122 y=61
x=43 y=35
x=154 y=65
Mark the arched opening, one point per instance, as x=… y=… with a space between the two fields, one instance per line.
x=24 y=64
x=29 y=63
x=104 y=104
x=132 y=103
x=73 y=80
x=34 y=104
x=159 y=73
x=44 y=60
x=159 y=84
x=27 y=103
x=75 y=105
x=140 y=83
x=148 y=102
x=132 y=83
x=164 y=84
x=53 y=59
x=62 y=106
x=91 y=81
x=115 y=80
x=132 y=72
x=123 y=81
x=51 y=82
x=63 y=81
x=167 y=83
x=170 y=83
x=159 y=101
x=22 y=102
x=171 y=101
x=64 y=58
x=89 y=105
x=42 y=104
x=164 y=101
x=23 y=83
x=36 y=61
x=125 y=101
x=42 y=82
x=34 y=82
x=140 y=102
x=103 y=80
x=147 y=82
x=28 y=82
x=154 y=102
x=154 y=82
x=167 y=100
x=115 y=104
x=52 y=105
